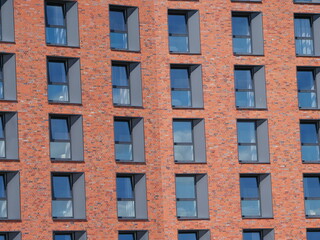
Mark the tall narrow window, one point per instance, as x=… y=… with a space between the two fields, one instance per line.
x=250 y=196
x=310 y=146
x=1 y=78
x=56 y=24
x=180 y=87
x=241 y=31
x=178 y=32
x=62 y=202
x=123 y=140
x=312 y=195
x=247 y=141
x=245 y=92
x=258 y=234
x=3 y=197
x=58 y=87
x=186 y=196
x=121 y=84
x=307 y=88
x=125 y=197
x=118 y=29
x=2 y=138
x=303 y=35
x=60 y=141
x=183 y=140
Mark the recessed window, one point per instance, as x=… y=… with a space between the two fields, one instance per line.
x=124 y=28
x=133 y=235
x=310 y=146
x=193 y=235
x=74 y=235
x=258 y=234
x=308 y=87
x=312 y=195
x=247 y=33
x=10 y=235
x=8 y=77
x=313 y=234
x=6 y=21
x=184 y=33
x=8 y=136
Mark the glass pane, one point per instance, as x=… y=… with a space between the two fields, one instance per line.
x=179 y=44
x=246 y=132
x=310 y=153
x=60 y=150
x=304 y=46
x=61 y=187
x=243 y=79
x=2 y=187
x=121 y=96
x=187 y=236
x=309 y=133
x=55 y=15
x=58 y=93
x=182 y=131
x=59 y=129
x=2 y=149
x=185 y=187
x=302 y=27
x=242 y=45
x=124 y=152
x=1 y=126
x=179 y=78
x=119 y=40
x=240 y=26
x=177 y=24
x=307 y=100
x=248 y=153
x=249 y=187
x=305 y=80
x=313 y=207
x=2 y=237
x=181 y=98
x=122 y=131
x=62 y=208
x=126 y=236
x=63 y=237
x=125 y=187
x=313 y=235
x=120 y=76
x=252 y=236
x=183 y=153
x=56 y=35
x=311 y=186
x=118 y=21
x=1 y=90
x=186 y=208
x=245 y=99
x=3 y=209
x=250 y=208
x=57 y=72
x=126 y=209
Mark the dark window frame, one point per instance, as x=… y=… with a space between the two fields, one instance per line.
x=1 y=72
x=172 y=67
x=129 y=121
x=134 y=233
x=249 y=144
x=309 y=17
x=249 y=17
x=126 y=65
x=189 y=231
x=2 y=119
x=63 y=233
x=312 y=230
x=317 y=123
x=237 y=68
x=314 y=71
x=187 y=34
x=4 y=175
x=254 y=231
x=310 y=198
x=128 y=199
x=115 y=8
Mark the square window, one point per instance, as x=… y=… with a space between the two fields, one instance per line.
x=308 y=87
x=129 y=139
x=74 y=235
x=253 y=143
x=192 y=196
x=8 y=77
x=126 y=84
x=258 y=234
x=124 y=28
x=10 y=236
x=133 y=235
x=66 y=139
x=184 y=32
x=64 y=80
x=62 y=23
x=6 y=21
x=255 y=191
x=189 y=140
x=186 y=86
x=312 y=195
x=250 y=87
x=247 y=33
x=193 y=235
x=8 y=136
x=313 y=234
x=68 y=196
x=310 y=146
x=131 y=196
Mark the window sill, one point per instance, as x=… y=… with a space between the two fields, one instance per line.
x=310 y=162
x=57 y=45
x=8 y=100
x=65 y=103
x=247 y=1
x=248 y=162
x=184 y=53
x=250 y=108
x=257 y=217
x=10 y=220
x=125 y=50
x=310 y=56
x=130 y=162
x=69 y=220
x=9 y=160
x=248 y=54
x=191 y=218
x=184 y=108
x=309 y=109
x=127 y=106
x=189 y=162
x=133 y=219
x=66 y=161
x=11 y=42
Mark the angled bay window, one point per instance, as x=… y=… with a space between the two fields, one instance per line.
x=8 y=136
x=310 y=144
x=193 y=235
x=133 y=235
x=124 y=28
x=8 y=77
x=62 y=23
x=184 y=32
x=66 y=139
x=10 y=235
x=74 y=235
x=250 y=87
x=258 y=234
x=255 y=191
x=186 y=86
x=131 y=196
x=247 y=33
x=192 y=196
x=68 y=195
x=308 y=87
x=6 y=21
x=312 y=195
x=126 y=83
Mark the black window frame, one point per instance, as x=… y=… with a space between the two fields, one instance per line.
x=187 y=34
x=115 y=8
x=257 y=198
x=309 y=17
x=312 y=230
x=129 y=121
x=249 y=144
x=4 y=175
x=126 y=65
x=63 y=233
x=1 y=72
x=317 y=123
x=316 y=91
x=134 y=234
x=310 y=198
x=2 y=119
x=249 y=17
x=128 y=199
x=189 y=231
x=246 y=68
x=182 y=89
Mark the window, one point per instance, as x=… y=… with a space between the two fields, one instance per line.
x=8 y=77
x=129 y=139
x=253 y=143
x=184 y=31
x=126 y=83
x=66 y=139
x=308 y=87
x=75 y=235
x=192 y=196
x=306 y=27
x=9 y=196
x=131 y=196
x=8 y=136
x=68 y=196
x=10 y=236
x=313 y=234
x=6 y=21
x=133 y=235
x=193 y=235
x=124 y=28
x=306 y=1
x=312 y=195
x=258 y=234
x=62 y=23
x=256 y=200
x=64 y=80
x=189 y=140
x=186 y=86
x=247 y=33
x=310 y=146
x=250 y=86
